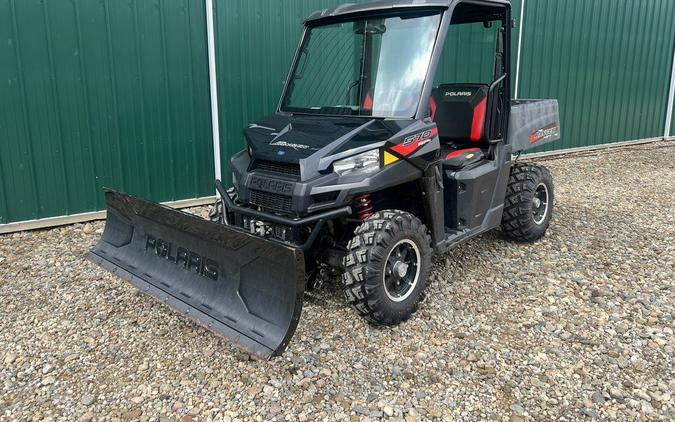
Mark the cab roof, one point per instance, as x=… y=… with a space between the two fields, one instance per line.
x=388 y=5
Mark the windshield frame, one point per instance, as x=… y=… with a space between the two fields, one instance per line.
x=440 y=32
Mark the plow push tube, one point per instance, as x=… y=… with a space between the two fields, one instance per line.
x=243 y=287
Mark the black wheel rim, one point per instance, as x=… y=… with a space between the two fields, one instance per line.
x=401 y=270
x=540 y=203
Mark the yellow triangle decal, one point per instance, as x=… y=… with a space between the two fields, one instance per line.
x=389 y=158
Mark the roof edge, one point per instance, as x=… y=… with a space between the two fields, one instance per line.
x=378 y=5
x=387 y=5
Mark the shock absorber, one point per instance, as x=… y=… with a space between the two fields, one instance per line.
x=363 y=206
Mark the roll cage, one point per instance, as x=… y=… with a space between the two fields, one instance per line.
x=452 y=12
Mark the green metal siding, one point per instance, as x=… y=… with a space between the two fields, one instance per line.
x=115 y=93
x=468 y=52
x=468 y=55
x=101 y=93
x=606 y=61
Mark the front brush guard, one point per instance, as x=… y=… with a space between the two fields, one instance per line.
x=318 y=219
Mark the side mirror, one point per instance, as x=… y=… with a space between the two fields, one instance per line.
x=487 y=24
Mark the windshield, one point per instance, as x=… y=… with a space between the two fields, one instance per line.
x=368 y=67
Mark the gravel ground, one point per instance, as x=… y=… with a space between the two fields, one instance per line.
x=576 y=326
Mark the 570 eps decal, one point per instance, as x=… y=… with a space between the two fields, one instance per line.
x=413 y=142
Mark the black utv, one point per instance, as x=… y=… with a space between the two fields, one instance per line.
x=367 y=167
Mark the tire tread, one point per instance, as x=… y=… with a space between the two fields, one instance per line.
x=369 y=242
x=517 y=221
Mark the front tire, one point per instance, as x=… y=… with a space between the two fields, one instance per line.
x=387 y=267
x=528 y=205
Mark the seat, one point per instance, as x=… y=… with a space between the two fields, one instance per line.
x=460 y=158
x=459 y=112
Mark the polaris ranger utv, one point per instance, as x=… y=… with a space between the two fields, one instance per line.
x=367 y=166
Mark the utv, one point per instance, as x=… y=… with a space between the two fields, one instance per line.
x=367 y=166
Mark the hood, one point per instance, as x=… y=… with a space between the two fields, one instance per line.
x=291 y=138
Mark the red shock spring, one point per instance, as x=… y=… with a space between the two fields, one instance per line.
x=364 y=206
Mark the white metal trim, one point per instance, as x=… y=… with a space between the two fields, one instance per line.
x=671 y=98
x=89 y=216
x=213 y=85
x=521 y=24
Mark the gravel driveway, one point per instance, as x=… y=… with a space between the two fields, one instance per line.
x=576 y=326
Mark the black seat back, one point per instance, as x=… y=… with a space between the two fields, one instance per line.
x=459 y=112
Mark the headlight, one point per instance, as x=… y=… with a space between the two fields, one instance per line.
x=364 y=163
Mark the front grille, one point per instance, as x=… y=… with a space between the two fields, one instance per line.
x=277 y=167
x=271 y=201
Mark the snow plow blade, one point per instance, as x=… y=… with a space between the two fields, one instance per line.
x=243 y=287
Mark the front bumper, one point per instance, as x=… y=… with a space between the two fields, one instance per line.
x=316 y=220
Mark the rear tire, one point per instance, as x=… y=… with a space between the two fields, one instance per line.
x=387 y=267
x=528 y=205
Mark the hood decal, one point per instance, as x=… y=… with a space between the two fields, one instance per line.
x=282 y=132
x=281 y=143
x=289 y=145
x=255 y=126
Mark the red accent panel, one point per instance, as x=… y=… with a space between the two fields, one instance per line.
x=368 y=102
x=405 y=150
x=432 y=107
x=460 y=152
x=478 y=121
x=419 y=140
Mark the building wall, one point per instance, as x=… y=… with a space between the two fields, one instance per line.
x=111 y=93
x=101 y=93
x=606 y=61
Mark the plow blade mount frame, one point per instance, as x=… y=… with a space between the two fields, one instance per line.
x=241 y=286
